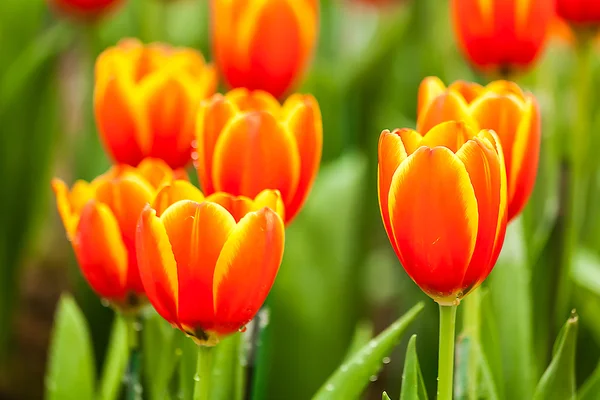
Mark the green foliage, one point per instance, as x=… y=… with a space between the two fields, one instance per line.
x=351 y=378
x=413 y=387
x=70 y=372
x=116 y=361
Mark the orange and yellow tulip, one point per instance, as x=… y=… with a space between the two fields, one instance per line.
x=247 y=142
x=443 y=202
x=502 y=34
x=206 y=266
x=500 y=106
x=146 y=99
x=264 y=45
x=579 y=12
x=84 y=8
x=100 y=218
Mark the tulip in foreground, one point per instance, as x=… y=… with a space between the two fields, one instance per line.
x=500 y=106
x=247 y=142
x=146 y=99
x=443 y=202
x=502 y=34
x=205 y=269
x=264 y=45
x=100 y=218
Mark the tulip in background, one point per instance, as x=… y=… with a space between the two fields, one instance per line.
x=100 y=218
x=579 y=12
x=146 y=99
x=502 y=35
x=443 y=202
x=84 y=8
x=500 y=106
x=264 y=45
x=247 y=142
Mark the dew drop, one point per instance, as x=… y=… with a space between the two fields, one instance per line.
x=386 y=360
x=372 y=344
x=329 y=387
x=242 y=329
x=373 y=378
x=197 y=378
x=138 y=389
x=137 y=326
x=344 y=368
x=105 y=302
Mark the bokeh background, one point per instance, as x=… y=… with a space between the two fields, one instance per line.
x=339 y=271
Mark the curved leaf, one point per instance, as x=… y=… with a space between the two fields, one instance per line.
x=384 y=396
x=413 y=387
x=71 y=373
x=351 y=378
x=116 y=361
x=591 y=387
x=558 y=382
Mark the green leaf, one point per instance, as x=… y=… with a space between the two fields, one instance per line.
x=468 y=384
x=225 y=376
x=558 y=382
x=586 y=270
x=351 y=378
x=116 y=361
x=70 y=372
x=161 y=355
x=413 y=386
x=362 y=334
x=591 y=387
x=384 y=396
x=187 y=365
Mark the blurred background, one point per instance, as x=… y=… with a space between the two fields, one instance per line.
x=339 y=271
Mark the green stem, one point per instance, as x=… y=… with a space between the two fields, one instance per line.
x=203 y=372
x=134 y=385
x=446 y=353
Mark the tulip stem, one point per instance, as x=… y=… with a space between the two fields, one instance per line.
x=203 y=373
x=134 y=385
x=446 y=353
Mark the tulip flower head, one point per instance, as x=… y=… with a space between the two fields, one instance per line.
x=579 y=12
x=100 y=218
x=443 y=202
x=264 y=45
x=84 y=8
x=208 y=265
x=500 y=106
x=146 y=99
x=502 y=34
x=247 y=142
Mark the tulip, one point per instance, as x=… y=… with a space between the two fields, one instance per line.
x=84 y=8
x=500 y=106
x=100 y=218
x=247 y=142
x=443 y=202
x=579 y=12
x=502 y=34
x=145 y=100
x=206 y=270
x=264 y=45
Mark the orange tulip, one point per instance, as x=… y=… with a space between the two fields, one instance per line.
x=100 y=218
x=206 y=268
x=500 y=106
x=84 y=8
x=579 y=12
x=146 y=99
x=443 y=202
x=247 y=142
x=264 y=45
x=502 y=34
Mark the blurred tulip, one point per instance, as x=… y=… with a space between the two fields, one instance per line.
x=100 y=218
x=247 y=142
x=443 y=202
x=146 y=99
x=204 y=271
x=264 y=45
x=500 y=106
x=502 y=34
x=579 y=12
x=84 y=8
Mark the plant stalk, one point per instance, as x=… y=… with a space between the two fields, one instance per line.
x=203 y=373
x=134 y=384
x=446 y=353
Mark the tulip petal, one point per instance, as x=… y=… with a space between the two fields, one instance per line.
x=433 y=213
x=158 y=270
x=100 y=251
x=448 y=106
x=174 y=192
x=451 y=134
x=271 y=199
x=391 y=155
x=306 y=125
x=71 y=203
x=254 y=153
x=119 y=122
x=247 y=268
x=410 y=138
x=239 y=206
x=197 y=232
x=254 y=100
x=157 y=173
x=483 y=165
x=429 y=89
x=213 y=115
x=468 y=90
